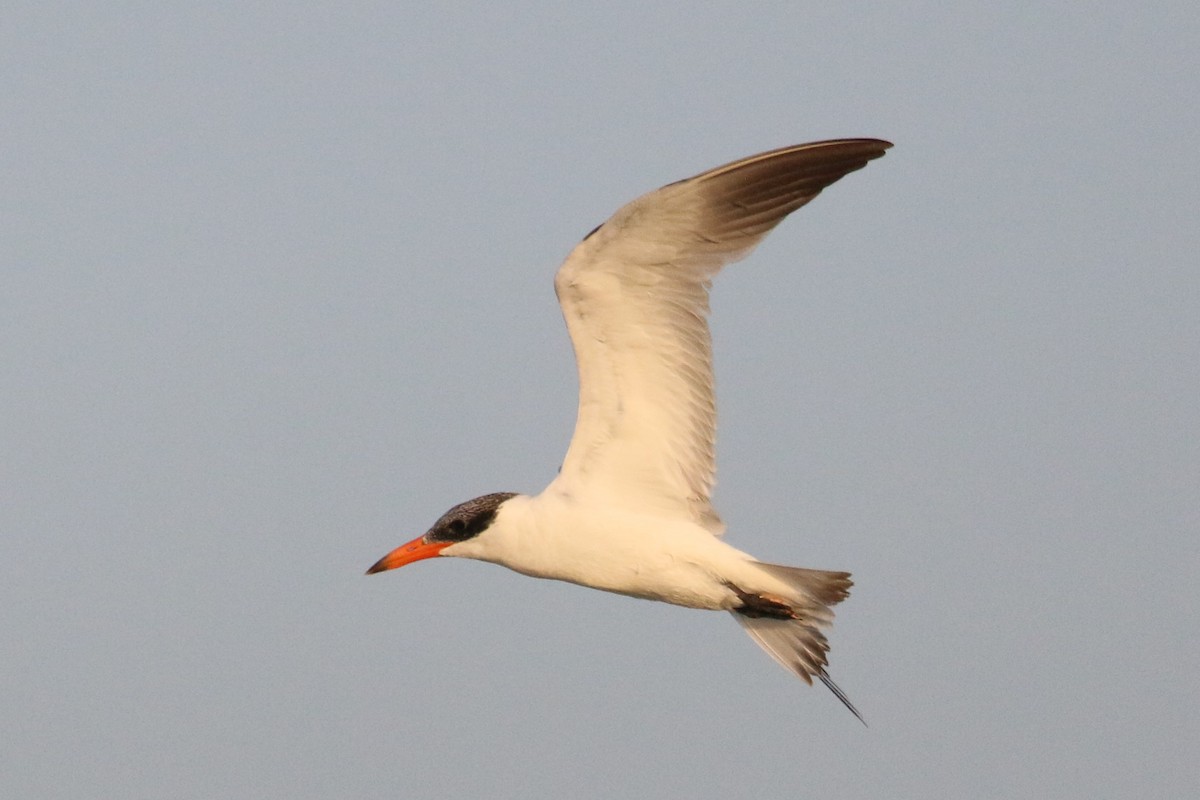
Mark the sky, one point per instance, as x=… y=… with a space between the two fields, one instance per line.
x=276 y=291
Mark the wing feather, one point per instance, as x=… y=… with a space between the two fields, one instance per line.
x=634 y=295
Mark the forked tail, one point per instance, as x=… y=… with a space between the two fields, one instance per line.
x=789 y=627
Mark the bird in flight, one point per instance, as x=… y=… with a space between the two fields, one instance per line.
x=629 y=511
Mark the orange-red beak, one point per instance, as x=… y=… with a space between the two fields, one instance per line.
x=416 y=550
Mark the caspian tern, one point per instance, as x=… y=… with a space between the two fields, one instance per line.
x=629 y=511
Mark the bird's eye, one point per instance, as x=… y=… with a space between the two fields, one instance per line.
x=457 y=526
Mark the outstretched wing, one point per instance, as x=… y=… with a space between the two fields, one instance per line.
x=634 y=294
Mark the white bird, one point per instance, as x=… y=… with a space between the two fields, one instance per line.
x=629 y=511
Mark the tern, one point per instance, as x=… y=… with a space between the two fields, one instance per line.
x=629 y=511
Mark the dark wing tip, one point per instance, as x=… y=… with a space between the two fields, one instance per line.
x=840 y=695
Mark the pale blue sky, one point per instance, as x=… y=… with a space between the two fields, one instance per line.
x=275 y=291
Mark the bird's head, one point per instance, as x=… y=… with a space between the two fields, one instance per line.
x=464 y=521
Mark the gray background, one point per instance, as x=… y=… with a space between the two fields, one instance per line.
x=276 y=292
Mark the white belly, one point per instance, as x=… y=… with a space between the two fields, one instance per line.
x=672 y=560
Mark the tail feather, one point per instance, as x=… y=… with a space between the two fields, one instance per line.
x=828 y=588
x=798 y=643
